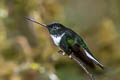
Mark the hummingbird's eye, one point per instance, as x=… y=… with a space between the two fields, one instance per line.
x=55 y=28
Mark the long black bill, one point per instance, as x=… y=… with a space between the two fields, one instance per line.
x=35 y=21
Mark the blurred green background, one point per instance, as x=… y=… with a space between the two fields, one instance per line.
x=28 y=53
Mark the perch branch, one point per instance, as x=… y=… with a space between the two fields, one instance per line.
x=83 y=67
x=81 y=64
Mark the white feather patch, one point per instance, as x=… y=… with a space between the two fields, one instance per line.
x=91 y=57
x=57 y=39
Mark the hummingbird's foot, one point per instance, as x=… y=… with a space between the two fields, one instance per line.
x=70 y=56
x=62 y=52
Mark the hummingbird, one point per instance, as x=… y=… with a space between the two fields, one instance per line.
x=70 y=43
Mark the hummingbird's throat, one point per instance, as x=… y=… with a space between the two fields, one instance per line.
x=57 y=38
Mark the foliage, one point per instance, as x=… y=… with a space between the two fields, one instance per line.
x=27 y=52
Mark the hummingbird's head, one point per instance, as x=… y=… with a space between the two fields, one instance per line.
x=54 y=28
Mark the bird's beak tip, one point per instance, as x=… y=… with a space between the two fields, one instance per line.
x=30 y=19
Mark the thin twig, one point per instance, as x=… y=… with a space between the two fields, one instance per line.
x=83 y=67
x=80 y=63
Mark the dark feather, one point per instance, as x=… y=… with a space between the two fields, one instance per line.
x=80 y=53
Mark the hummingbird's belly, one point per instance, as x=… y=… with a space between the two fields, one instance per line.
x=57 y=39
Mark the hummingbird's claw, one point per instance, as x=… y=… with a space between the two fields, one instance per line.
x=70 y=56
x=63 y=53
x=60 y=52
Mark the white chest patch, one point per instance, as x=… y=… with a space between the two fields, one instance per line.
x=57 y=39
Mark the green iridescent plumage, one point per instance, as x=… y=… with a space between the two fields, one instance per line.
x=70 y=42
x=70 y=39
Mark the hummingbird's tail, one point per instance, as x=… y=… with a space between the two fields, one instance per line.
x=85 y=56
x=99 y=64
x=80 y=53
x=94 y=60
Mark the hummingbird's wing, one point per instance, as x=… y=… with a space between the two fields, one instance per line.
x=81 y=51
x=86 y=57
x=87 y=52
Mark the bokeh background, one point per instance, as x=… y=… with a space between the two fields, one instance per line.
x=28 y=53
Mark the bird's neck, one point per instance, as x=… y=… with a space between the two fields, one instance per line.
x=57 y=38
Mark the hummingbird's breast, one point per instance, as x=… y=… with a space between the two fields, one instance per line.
x=57 y=38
